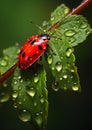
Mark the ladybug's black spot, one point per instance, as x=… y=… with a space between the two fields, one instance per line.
x=29 y=58
x=32 y=42
x=40 y=47
x=34 y=54
x=23 y=54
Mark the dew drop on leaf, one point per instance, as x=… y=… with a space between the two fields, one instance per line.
x=15 y=105
x=36 y=78
x=58 y=66
x=52 y=18
x=66 y=10
x=65 y=76
x=24 y=115
x=30 y=91
x=72 y=39
x=41 y=99
x=15 y=94
x=84 y=25
x=35 y=104
x=49 y=59
x=75 y=88
x=70 y=33
x=3 y=62
x=38 y=119
x=69 y=52
x=55 y=86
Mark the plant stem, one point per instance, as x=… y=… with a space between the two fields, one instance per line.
x=76 y=10
x=8 y=73
x=82 y=6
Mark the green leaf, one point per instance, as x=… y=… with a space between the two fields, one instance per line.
x=8 y=59
x=30 y=95
x=73 y=29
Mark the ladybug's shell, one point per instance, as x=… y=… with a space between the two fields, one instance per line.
x=33 y=48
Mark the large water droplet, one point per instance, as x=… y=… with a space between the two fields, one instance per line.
x=49 y=59
x=31 y=91
x=84 y=25
x=36 y=78
x=24 y=115
x=75 y=88
x=38 y=119
x=3 y=62
x=15 y=94
x=55 y=86
x=70 y=33
x=58 y=66
x=4 y=97
x=69 y=51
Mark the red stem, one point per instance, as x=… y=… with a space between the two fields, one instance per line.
x=76 y=10
x=82 y=6
x=8 y=73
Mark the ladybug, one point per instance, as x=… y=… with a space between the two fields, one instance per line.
x=33 y=48
x=30 y=52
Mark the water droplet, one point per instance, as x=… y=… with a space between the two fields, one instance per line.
x=19 y=77
x=52 y=18
x=15 y=94
x=31 y=91
x=72 y=39
x=42 y=99
x=84 y=25
x=66 y=11
x=69 y=51
x=75 y=88
x=15 y=105
x=4 y=97
x=58 y=66
x=21 y=81
x=72 y=70
x=24 y=115
x=87 y=31
x=35 y=104
x=53 y=68
x=70 y=33
x=36 y=78
x=38 y=119
x=65 y=76
x=49 y=59
x=61 y=78
x=3 y=62
x=19 y=102
x=55 y=86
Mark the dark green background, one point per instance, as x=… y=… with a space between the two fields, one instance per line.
x=67 y=110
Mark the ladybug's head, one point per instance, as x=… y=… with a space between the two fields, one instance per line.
x=45 y=37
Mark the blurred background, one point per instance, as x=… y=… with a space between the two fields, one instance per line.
x=67 y=110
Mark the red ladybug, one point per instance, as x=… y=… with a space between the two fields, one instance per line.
x=33 y=48
x=30 y=52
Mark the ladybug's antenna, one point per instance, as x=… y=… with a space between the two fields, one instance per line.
x=37 y=26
